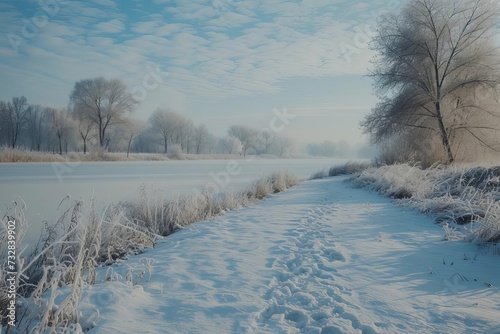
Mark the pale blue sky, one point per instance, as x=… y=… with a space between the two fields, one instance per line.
x=220 y=62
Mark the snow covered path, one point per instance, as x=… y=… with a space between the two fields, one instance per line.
x=320 y=258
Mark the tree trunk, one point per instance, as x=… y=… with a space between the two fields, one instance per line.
x=101 y=133
x=165 y=139
x=84 y=146
x=128 y=147
x=444 y=134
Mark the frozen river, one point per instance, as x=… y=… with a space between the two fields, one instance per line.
x=42 y=186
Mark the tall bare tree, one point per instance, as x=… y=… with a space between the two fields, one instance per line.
x=86 y=130
x=102 y=102
x=37 y=126
x=285 y=146
x=163 y=125
x=130 y=129
x=5 y=123
x=201 y=138
x=266 y=141
x=60 y=126
x=187 y=129
x=15 y=118
x=431 y=56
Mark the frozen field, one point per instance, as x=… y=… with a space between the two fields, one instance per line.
x=42 y=186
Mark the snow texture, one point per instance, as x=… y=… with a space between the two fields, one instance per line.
x=323 y=257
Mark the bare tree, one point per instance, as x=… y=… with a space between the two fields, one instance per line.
x=432 y=55
x=15 y=118
x=37 y=124
x=102 y=102
x=186 y=131
x=285 y=146
x=86 y=130
x=172 y=127
x=60 y=126
x=162 y=124
x=201 y=138
x=4 y=123
x=266 y=140
x=130 y=129
x=245 y=134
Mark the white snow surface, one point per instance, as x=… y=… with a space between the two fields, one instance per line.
x=323 y=257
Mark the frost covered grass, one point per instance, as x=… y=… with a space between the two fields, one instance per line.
x=350 y=167
x=69 y=251
x=152 y=212
x=464 y=199
x=8 y=154
x=19 y=155
x=16 y=155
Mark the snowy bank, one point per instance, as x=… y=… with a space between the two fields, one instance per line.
x=68 y=253
x=465 y=200
x=324 y=257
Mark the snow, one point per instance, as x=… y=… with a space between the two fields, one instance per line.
x=323 y=257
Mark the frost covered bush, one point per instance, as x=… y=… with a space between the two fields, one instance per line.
x=351 y=167
x=175 y=152
x=348 y=168
x=275 y=183
x=397 y=181
x=280 y=181
x=458 y=195
x=321 y=174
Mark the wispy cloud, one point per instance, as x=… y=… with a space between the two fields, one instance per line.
x=213 y=49
x=110 y=27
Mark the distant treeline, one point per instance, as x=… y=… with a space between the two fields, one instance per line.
x=98 y=117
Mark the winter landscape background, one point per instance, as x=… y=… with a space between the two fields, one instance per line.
x=246 y=166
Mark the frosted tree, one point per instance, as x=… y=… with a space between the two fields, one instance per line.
x=60 y=126
x=202 y=138
x=285 y=146
x=102 y=102
x=163 y=124
x=245 y=134
x=432 y=57
x=266 y=140
x=37 y=126
x=86 y=131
